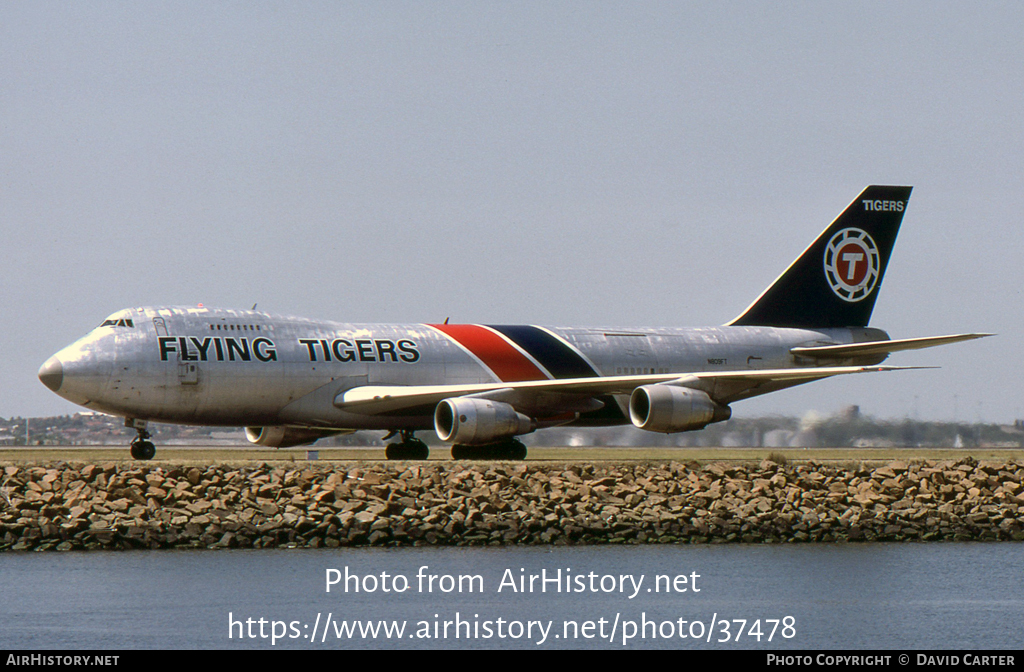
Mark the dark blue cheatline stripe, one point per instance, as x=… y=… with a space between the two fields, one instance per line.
x=559 y=359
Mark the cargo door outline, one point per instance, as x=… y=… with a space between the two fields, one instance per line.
x=632 y=353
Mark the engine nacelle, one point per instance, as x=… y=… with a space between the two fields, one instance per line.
x=284 y=437
x=668 y=408
x=475 y=421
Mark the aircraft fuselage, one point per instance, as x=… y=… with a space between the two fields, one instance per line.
x=291 y=380
x=234 y=367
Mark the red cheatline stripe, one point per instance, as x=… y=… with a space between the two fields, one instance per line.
x=495 y=352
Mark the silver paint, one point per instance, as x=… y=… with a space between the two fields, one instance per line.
x=118 y=370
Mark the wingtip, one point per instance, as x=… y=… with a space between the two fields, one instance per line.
x=901 y=368
x=975 y=336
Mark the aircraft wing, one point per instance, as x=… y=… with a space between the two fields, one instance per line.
x=723 y=386
x=880 y=347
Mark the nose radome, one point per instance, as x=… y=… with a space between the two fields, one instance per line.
x=51 y=373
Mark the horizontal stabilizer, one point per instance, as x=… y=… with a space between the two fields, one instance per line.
x=880 y=347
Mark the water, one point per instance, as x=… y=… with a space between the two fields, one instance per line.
x=877 y=596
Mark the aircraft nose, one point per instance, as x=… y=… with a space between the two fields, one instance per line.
x=51 y=373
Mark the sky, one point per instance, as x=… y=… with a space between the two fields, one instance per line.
x=553 y=163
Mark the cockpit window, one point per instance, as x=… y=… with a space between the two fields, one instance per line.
x=118 y=323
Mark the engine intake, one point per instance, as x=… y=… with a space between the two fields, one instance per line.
x=668 y=408
x=476 y=421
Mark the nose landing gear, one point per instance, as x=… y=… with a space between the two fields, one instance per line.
x=141 y=447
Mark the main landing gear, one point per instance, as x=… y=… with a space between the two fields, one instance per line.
x=409 y=448
x=141 y=447
x=512 y=449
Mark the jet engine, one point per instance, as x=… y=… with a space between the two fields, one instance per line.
x=475 y=421
x=668 y=408
x=281 y=436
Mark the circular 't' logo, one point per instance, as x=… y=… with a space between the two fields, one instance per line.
x=851 y=264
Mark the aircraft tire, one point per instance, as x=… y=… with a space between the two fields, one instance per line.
x=505 y=450
x=418 y=450
x=413 y=449
x=517 y=450
x=143 y=450
x=512 y=449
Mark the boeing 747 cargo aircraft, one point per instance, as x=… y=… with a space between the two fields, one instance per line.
x=290 y=381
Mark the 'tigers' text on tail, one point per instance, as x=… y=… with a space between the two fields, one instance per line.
x=835 y=281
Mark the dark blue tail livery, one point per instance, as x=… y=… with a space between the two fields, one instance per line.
x=836 y=280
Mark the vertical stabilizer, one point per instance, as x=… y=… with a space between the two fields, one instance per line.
x=836 y=280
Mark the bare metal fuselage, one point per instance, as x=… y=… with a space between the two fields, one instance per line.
x=291 y=380
x=246 y=368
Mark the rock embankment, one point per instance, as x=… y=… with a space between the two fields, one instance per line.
x=119 y=506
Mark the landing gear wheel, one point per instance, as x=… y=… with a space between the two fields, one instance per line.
x=418 y=449
x=143 y=450
x=512 y=449
x=508 y=450
x=409 y=448
x=517 y=450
